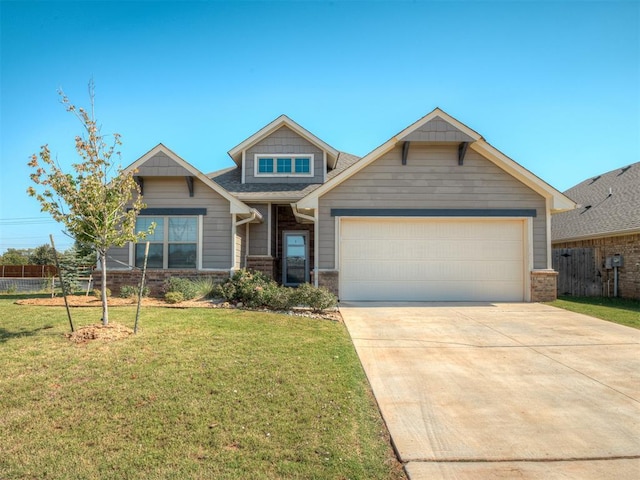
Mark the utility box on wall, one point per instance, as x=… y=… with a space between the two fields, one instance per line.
x=615 y=261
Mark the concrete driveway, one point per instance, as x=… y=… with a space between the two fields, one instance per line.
x=484 y=391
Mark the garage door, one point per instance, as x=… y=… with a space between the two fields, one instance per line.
x=418 y=259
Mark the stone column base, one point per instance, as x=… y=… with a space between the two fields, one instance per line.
x=544 y=285
x=329 y=280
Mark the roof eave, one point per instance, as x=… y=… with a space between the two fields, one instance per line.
x=235 y=206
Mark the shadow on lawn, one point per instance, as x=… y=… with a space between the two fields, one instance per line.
x=6 y=335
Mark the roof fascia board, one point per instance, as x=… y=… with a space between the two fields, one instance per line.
x=236 y=206
x=311 y=200
x=283 y=120
x=559 y=201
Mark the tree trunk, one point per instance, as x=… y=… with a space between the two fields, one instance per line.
x=105 y=306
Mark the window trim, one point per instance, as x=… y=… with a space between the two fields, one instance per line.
x=165 y=243
x=275 y=157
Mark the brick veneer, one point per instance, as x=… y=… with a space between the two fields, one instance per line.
x=544 y=285
x=262 y=264
x=154 y=279
x=626 y=245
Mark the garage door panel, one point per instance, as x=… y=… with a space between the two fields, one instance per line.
x=431 y=259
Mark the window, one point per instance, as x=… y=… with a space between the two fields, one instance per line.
x=174 y=243
x=284 y=166
x=265 y=165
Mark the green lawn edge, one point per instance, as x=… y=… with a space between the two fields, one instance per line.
x=618 y=310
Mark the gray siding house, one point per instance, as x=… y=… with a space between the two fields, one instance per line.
x=433 y=214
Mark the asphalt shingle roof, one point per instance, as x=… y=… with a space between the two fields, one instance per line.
x=607 y=204
x=231 y=180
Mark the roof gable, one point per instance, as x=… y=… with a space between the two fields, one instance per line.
x=608 y=204
x=236 y=152
x=161 y=161
x=440 y=122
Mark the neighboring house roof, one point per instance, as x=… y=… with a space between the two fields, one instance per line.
x=440 y=126
x=236 y=152
x=236 y=206
x=608 y=204
x=231 y=180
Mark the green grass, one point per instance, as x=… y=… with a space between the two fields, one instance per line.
x=197 y=394
x=618 y=310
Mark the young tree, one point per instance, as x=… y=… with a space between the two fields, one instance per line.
x=98 y=204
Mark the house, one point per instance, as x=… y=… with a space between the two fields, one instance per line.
x=434 y=213
x=606 y=225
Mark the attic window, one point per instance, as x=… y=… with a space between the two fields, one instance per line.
x=284 y=165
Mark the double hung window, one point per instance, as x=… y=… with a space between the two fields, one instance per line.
x=173 y=244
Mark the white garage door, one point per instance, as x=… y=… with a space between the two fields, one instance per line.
x=418 y=259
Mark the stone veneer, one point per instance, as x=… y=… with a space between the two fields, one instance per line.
x=154 y=279
x=329 y=280
x=544 y=285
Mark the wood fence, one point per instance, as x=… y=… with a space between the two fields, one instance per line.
x=27 y=271
x=578 y=273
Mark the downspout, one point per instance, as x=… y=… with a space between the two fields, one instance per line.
x=254 y=215
x=297 y=214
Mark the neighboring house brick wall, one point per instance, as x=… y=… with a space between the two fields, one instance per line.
x=629 y=275
x=172 y=192
x=432 y=178
x=284 y=141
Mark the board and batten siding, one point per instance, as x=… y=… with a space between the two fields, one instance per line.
x=432 y=179
x=259 y=232
x=284 y=141
x=172 y=192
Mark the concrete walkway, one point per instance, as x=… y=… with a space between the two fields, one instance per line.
x=488 y=391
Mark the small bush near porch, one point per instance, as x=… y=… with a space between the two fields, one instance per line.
x=200 y=393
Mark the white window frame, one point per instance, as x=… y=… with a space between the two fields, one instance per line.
x=275 y=157
x=165 y=242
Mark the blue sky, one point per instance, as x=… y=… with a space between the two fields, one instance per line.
x=554 y=85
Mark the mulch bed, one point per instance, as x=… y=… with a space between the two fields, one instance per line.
x=115 y=331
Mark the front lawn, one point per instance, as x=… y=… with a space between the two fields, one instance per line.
x=618 y=310
x=197 y=394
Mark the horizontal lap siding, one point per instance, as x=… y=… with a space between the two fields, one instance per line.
x=283 y=141
x=172 y=192
x=432 y=178
x=258 y=233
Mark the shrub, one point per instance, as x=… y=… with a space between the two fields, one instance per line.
x=277 y=297
x=129 y=291
x=318 y=299
x=174 y=297
x=204 y=286
x=246 y=287
x=186 y=287
x=98 y=293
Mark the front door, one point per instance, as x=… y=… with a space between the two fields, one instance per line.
x=295 y=261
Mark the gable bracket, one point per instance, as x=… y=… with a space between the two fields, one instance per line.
x=405 y=152
x=189 y=180
x=140 y=183
x=462 y=151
